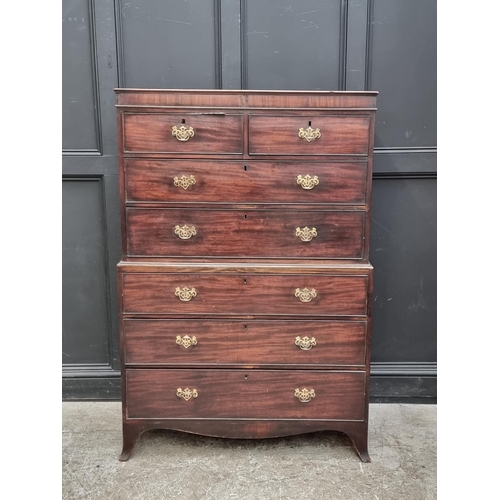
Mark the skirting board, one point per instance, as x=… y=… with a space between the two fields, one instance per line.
x=389 y=383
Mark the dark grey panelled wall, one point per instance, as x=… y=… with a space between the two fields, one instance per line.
x=290 y=45
x=384 y=45
x=84 y=299
x=401 y=65
x=168 y=44
x=90 y=225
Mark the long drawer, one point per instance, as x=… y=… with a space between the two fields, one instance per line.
x=244 y=294
x=309 y=135
x=196 y=133
x=177 y=181
x=201 y=343
x=245 y=233
x=279 y=394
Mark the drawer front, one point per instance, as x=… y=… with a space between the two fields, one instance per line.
x=245 y=233
x=254 y=294
x=154 y=133
x=184 y=342
x=245 y=394
x=245 y=182
x=279 y=135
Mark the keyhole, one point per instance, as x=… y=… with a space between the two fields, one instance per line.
x=245 y=327
x=245 y=168
x=245 y=216
x=309 y=123
x=245 y=281
x=246 y=377
x=184 y=121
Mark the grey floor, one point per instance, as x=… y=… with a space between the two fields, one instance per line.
x=316 y=466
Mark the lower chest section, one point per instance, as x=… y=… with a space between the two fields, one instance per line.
x=267 y=343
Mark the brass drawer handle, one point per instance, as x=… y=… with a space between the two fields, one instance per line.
x=307 y=182
x=305 y=395
x=185 y=294
x=185 y=232
x=187 y=393
x=182 y=133
x=309 y=134
x=305 y=295
x=306 y=343
x=186 y=341
x=306 y=234
x=184 y=181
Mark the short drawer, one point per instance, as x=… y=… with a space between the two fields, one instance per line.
x=309 y=135
x=183 y=133
x=173 y=181
x=245 y=233
x=244 y=294
x=278 y=394
x=199 y=342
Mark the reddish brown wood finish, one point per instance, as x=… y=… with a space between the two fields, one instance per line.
x=310 y=100
x=245 y=394
x=253 y=343
x=245 y=233
x=131 y=430
x=250 y=182
x=247 y=429
x=245 y=270
x=278 y=135
x=218 y=266
x=244 y=294
x=246 y=99
x=213 y=133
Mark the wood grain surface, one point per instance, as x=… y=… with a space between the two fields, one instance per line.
x=244 y=294
x=245 y=233
x=322 y=99
x=245 y=394
x=340 y=134
x=213 y=133
x=244 y=342
x=245 y=182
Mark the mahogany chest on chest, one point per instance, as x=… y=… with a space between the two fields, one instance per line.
x=245 y=289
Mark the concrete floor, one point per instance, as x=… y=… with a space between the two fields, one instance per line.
x=319 y=466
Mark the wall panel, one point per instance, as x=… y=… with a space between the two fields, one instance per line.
x=80 y=118
x=290 y=44
x=169 y=44
x=403 y=253
x=85 y=321
x=402 y=67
